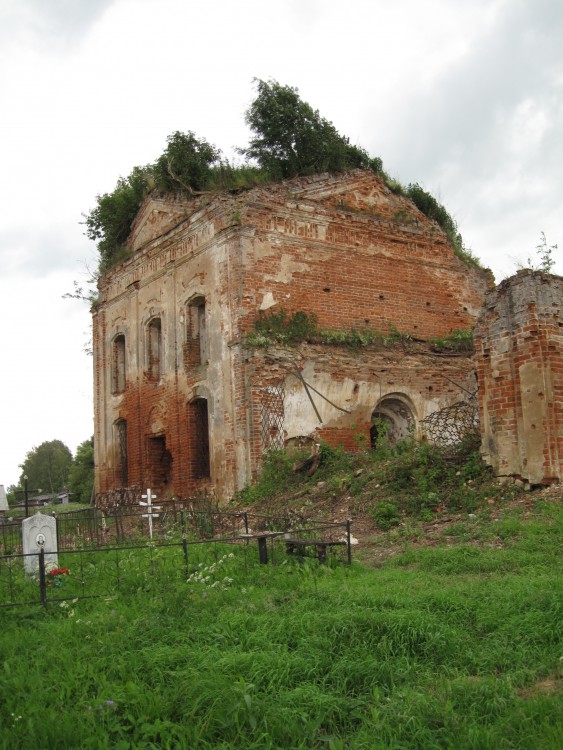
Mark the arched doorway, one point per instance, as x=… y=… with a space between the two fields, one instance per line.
x=393 y=418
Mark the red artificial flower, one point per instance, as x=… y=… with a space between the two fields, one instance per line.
x=59 y=572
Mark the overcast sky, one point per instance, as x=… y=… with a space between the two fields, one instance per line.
x=463 y=96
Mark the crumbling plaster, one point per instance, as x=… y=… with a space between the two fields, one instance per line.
x=348 y=386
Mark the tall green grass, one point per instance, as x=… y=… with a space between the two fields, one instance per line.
x=451 y=647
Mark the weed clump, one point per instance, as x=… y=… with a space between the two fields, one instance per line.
x=459 y=340
x=426 y=479
x=276 y=475
x=390 y=482
x=385 y=515
x=278 y=327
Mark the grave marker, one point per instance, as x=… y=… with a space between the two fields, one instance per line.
x=150 y=514
x=39 y=532
x=3 y=499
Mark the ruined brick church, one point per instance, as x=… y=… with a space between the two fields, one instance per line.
x=184 y=405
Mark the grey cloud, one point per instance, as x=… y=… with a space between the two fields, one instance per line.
x=465 y=113
x=466 y=139
x=51 y=21
x=37 y=251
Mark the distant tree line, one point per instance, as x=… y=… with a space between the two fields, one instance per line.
x=51 y=469
x=290 y=139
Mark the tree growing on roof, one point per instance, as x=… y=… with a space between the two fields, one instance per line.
x=291 y=138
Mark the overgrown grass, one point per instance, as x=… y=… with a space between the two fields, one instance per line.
x=278 y=327
x=453 y=647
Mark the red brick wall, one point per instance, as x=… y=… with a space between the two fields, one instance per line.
x=385 y=265
x=519 y=339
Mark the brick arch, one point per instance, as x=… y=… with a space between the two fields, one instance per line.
x=398 y=413
x=154 y=420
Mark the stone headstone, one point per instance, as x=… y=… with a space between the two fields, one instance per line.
x=39 y=532
x=3 y=499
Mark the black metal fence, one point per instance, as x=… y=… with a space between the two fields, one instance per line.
x=116 y=548
x=89 y=573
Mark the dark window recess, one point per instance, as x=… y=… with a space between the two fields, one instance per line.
x=154 y=349
x=118 y=365
x=196 y=332
x=122 y=471
x=159 y=462
x=199 y=439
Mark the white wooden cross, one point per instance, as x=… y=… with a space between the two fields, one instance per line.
x=150 y=514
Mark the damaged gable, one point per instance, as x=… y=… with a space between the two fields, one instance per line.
x=157 y=216
x=362 y=192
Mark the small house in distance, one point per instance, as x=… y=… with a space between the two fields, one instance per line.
x=183 y=404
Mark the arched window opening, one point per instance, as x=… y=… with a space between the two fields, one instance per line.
x=122 y=469
x=154 y=349
x=392 y=420
x=118 y=365
x=196 y=331
x=199 y=438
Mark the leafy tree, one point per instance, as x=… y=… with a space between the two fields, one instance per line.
x=47 y=467
x=186 y=164
x=110 y=222
x=291 y=138
x=81 y=474
x=12 y=494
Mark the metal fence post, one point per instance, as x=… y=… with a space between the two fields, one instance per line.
x=348 y=542
x=42 y=580
x=184 y=539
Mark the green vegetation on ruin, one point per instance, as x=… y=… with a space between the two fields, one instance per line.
x=289 y=139
x=276 y=327
x=419 y=479
x=460 y=340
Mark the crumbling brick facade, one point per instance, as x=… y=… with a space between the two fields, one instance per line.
x=519 y=356
x=181 y=404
